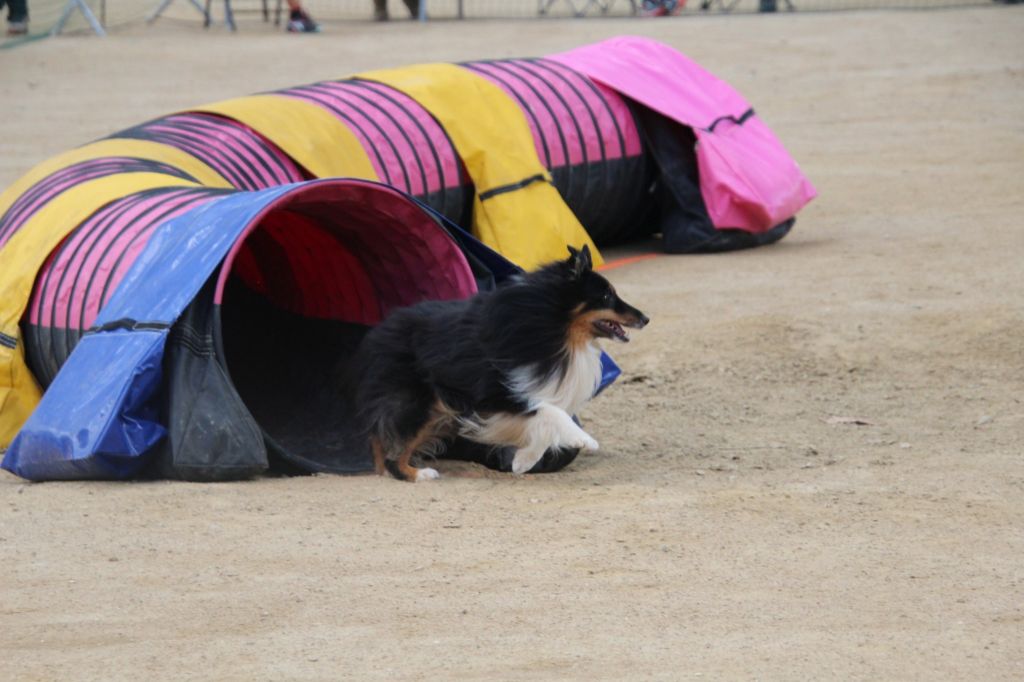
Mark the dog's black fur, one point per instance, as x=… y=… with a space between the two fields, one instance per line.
x=431 y=370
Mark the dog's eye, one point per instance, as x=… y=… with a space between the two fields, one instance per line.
x=609 y=298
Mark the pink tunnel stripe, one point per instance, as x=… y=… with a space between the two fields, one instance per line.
x=551 y=148
x=591 y=111
x=220 y=156
x=424 y=123
x=423 y=163
x=325 y=280
x=387 y=134
x=238 y=153
x=60 y=181
x=107 y=264
x=585 y=144
x=610 y=110
x=405 y=254
x=622 y=114
x=272 y=165
x=383 y=155
x=86 y=269
x=118 y=264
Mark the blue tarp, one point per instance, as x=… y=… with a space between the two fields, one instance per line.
x=99 y=416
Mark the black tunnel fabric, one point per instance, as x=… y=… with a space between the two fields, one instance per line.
x=679 y=211
x=211 y=433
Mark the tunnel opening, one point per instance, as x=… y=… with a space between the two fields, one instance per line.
x=297 y=293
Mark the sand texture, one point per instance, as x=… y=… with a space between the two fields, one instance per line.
x=734 y=524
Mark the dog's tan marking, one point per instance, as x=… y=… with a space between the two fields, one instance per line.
x=440 y=420
x=378 y=456
x=405 y=470
x=581 y=329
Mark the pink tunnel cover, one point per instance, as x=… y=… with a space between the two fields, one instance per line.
x=747 y=178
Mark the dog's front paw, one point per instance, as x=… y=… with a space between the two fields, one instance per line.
x=584 y=442
x=524 y=461
x=426 y=474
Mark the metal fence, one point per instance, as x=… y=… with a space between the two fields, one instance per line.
x=526 y=9
x=45 y=14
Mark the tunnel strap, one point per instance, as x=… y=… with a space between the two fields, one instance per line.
x=524 y=219
x=312 y=136
x=128 y=324
x=737 y=121
x=495 y=191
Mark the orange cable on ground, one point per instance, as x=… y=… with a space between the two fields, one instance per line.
x=628 y=260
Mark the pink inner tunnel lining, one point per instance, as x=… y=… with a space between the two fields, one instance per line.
x=347 y=250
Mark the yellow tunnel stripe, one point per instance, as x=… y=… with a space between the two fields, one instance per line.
x=142 y=149
x=531 y=225
x=308 y=133
x=19 y=393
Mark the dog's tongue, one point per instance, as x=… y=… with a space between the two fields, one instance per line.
x=619 y=332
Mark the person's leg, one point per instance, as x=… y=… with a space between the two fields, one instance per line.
x=17 y=16
x=17 y=10
x=380 y=9
x=299 y=20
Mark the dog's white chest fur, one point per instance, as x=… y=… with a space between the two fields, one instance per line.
x=569 y=390
x=552 y=400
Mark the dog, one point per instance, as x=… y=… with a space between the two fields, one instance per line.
x=506 y=367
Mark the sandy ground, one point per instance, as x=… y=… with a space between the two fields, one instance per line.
x=726 y=530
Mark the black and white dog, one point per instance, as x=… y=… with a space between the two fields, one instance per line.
x=504 y=368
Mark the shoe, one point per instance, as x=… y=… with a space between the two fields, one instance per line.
x=661 y=8
x=17 y=28
x=300 y=22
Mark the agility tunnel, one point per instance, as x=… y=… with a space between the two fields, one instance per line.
x=219 y=352
x=187 y=291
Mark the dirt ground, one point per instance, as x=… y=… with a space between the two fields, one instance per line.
x=727 y=529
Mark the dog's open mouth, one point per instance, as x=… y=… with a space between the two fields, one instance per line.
x=610 y=329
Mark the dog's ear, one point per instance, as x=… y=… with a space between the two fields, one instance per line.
x=580 y=262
